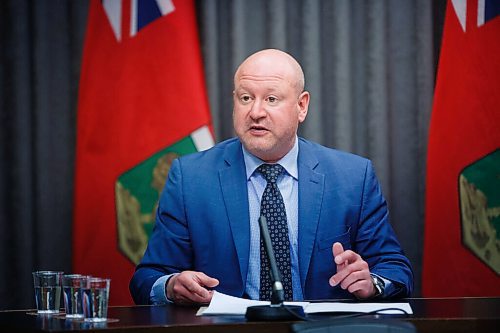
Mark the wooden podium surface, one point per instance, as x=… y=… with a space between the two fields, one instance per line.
x=430 y=315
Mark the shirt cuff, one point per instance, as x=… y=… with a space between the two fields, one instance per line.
x=158 y=294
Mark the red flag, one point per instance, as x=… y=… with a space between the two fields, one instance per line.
x=462 y=227
x=142 y=102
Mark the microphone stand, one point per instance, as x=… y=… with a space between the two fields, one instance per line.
x=277 y=310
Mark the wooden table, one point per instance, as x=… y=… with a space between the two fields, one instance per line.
x=430 y=315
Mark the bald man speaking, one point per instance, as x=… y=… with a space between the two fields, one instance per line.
x=326 y=214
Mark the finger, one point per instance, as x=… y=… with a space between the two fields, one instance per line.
x=202 y=281
x=206 y=280
x=194 y=287
x=186 y=283
x=179 y=294
x=340 y=275
x=347 y=256
x=333 y=281
x=188 y=300
x=358 y=287
x=203 y=300
x=352 y=278
x=185 y=295
x=180 y=298
x=337 y=249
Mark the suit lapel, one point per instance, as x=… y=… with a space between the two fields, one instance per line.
x=311 y=189
x=235 y=193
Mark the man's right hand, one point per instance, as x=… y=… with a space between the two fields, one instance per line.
x=189 y=287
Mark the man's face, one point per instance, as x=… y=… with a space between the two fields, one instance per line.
x=267 y=109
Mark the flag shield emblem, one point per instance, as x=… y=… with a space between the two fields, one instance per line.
x=480 y=209
x=137 y=192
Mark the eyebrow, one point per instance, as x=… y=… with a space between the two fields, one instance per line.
x=273 y=90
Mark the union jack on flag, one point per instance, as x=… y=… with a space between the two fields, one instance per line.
x=141 y=13
x=486 y=10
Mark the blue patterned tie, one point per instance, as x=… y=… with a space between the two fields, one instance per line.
x=272 y=208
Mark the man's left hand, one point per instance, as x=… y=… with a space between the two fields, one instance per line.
x=353 y=273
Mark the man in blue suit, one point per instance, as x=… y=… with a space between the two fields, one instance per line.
x=206 y=235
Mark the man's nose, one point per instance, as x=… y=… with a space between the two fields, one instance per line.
x=258 y=111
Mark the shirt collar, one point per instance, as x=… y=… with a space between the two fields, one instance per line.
x=288 y=162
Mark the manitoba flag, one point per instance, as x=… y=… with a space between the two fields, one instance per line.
x=142 y=102
x=462 y=227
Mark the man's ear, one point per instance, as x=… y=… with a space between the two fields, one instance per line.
x=303 y=105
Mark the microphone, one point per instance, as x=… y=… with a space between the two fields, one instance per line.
x=277 y=310
x=278 y=293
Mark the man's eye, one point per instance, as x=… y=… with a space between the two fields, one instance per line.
x=245 y=98
x=272 y=99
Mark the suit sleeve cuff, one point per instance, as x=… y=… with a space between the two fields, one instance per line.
x=158 y=294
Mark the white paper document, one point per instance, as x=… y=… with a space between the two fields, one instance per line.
x=223 y=304
x=392 y=308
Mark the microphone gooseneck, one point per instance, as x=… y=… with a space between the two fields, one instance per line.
x=277 y=310
x=278 y=293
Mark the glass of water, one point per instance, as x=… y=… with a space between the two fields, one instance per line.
x=73 y=285
x=95 y=299
x=47 y=291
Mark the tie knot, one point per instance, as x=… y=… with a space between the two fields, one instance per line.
x=270 y=172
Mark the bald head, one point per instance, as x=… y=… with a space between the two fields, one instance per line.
x=269 y=103
x=272 y=62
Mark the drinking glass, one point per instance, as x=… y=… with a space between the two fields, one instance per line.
x=95 y=299
x=47 y=291
x=73 y=285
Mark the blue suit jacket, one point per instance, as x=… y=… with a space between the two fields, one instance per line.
x=203 y=223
